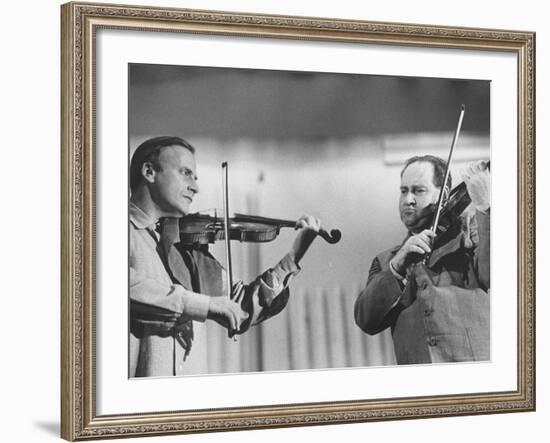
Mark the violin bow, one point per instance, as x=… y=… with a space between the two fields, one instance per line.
x=447 y=171
x=225 y=193
x=229 y=270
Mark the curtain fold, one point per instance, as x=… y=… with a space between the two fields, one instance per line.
x=315 y=331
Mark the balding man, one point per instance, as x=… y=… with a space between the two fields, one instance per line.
x=174 y=288
x=434 y=296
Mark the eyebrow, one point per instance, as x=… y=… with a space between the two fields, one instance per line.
x=413 y=187
x=188 y=169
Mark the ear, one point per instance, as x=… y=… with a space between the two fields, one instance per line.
x=148 y=172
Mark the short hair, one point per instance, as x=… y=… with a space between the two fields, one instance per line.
x=439 y=166
x=149 y=151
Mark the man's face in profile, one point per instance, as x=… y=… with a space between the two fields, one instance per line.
x=175 y=181
x=417 y=192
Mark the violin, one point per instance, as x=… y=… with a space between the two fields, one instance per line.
x=203 y=229
x=450 y=216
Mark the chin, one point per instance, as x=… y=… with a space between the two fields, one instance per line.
x=177 y=213
x=410 y=223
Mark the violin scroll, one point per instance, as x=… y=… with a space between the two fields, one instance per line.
x=332 y=237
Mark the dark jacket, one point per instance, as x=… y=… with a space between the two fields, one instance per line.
x=441 y=312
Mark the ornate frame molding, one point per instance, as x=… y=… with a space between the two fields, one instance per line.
x=79 y=23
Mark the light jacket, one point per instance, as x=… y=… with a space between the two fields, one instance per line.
x=161 y=309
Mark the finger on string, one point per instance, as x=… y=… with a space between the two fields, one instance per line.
x=317 y=225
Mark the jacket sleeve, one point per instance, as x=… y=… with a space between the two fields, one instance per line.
x=269 y=293
x=482 y=250
x=156 y=303
x=157 y=308
x=264 y=297
x=170 y=300
x=383 y=298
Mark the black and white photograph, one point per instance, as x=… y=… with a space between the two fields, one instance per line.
x=285 y=218
x=275 y=221
x=294 y=220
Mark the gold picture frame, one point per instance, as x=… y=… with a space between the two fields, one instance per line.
x=80 y=21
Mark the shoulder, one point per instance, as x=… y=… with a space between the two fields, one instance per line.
x=385 y=256
x=381 y=261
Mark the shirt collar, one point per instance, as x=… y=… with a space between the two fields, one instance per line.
x=139 y=218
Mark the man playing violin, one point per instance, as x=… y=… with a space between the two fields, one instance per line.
x=175 y=289
x=433 y=292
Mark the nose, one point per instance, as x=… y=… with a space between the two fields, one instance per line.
x=409 y=199
x=193 y=186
